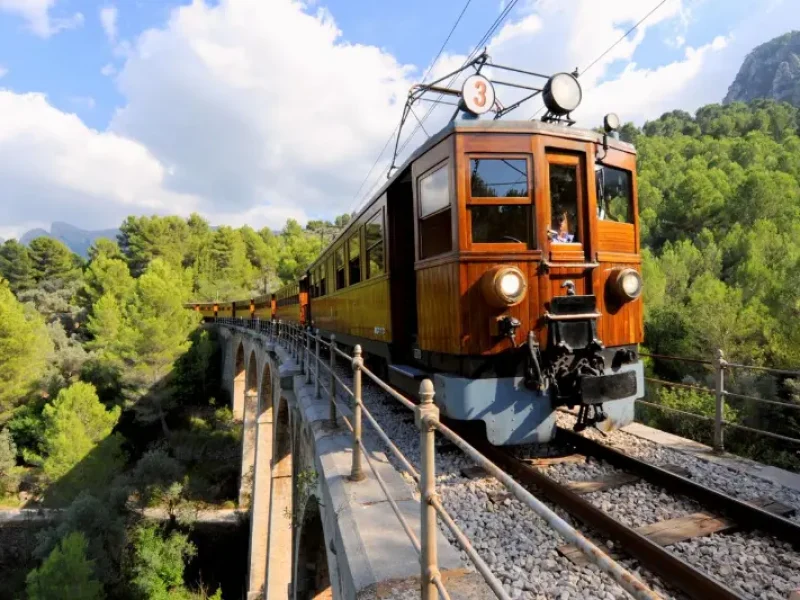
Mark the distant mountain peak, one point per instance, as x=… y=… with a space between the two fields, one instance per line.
x=771 y=70
x=76 y=239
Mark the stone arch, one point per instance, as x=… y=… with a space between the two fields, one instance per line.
x=239 y=382
x=252 y=372
x=266 y=392
x=249 y=425
x=312 y=579
x=280 y=529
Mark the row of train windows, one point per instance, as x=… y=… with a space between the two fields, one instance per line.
x=511 y=222
x=295 y=299
x=346 y=262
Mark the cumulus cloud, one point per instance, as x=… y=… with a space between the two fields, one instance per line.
x=3 y=71
x=37 y=14
x=253 y=103
x=108 y=19
x=108 y=70
x=52 y=164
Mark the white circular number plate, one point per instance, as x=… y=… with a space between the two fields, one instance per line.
x=478 y=94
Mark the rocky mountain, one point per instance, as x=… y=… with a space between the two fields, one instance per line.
x=772 y=70
x=78 y=240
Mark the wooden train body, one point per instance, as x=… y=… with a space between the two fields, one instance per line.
x=502 y=260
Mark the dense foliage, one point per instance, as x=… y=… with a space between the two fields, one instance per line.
x=108 y=395
x=719 y=197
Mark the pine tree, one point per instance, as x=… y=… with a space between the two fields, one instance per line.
x=24 y=348
x=53 y=261
x=66 y=573
x=16 y=266
x=159 y=562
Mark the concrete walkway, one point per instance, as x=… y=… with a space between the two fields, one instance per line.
x=701 y=451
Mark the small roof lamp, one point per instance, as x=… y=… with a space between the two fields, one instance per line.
x=611 y=124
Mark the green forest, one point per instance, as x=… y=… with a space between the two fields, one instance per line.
x=108 y=388
x=719 y=202
x=108 y=398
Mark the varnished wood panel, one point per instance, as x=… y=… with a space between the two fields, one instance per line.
x=477 y=316
x=439 y=327
x=622 y=322
x=356 y=310
x=616 y=237
x=289 y=313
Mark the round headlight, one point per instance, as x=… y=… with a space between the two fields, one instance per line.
x=503 y=286
x=628 y=284
x=562 y=94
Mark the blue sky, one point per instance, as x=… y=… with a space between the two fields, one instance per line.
x=178 y=100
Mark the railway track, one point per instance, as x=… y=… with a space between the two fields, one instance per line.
x=681 y=574
x=727 y=513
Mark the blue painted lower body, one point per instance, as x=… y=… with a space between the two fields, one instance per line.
x=514 y=414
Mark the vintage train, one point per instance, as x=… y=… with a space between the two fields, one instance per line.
x=502 y=260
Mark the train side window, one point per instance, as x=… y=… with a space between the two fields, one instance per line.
x=321 y=278
x=312 y=290
x=563 y=203
x=614 y=194
x=340 y=282
x=435 y=229
x=354 y=257
x=374 y=244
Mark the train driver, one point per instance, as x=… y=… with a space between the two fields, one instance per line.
x=561 y=234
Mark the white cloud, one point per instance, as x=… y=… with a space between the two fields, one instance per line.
x=108 y=19
x=3 y=71
x=108 y=70
x=253 y=103
x=37 y=15
x=52 y=164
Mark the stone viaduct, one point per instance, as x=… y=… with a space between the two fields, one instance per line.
x=314 y=533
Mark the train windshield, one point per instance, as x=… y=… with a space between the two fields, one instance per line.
x=614 y=195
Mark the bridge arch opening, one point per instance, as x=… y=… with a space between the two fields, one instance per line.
x=312 y=576
x=237 y=400
x=249 y=425
x=265 y=395
x=280 y=529
x=252 y=373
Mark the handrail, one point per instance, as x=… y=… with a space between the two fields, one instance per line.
x=299 y=343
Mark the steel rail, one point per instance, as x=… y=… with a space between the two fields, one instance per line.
x=674 y=571
x=757 y=399
x=389 y=443
x=746 y=515
x=489 y=458
x=389 y=389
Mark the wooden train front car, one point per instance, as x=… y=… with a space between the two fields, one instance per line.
x=502 y=261
x=527 y=277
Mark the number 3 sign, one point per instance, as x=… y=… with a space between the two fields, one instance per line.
x=477 y=95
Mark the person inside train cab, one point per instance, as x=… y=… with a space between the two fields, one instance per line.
x=561 y=232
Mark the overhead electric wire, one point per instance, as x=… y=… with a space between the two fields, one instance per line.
x=396 y=129
x=612 y=46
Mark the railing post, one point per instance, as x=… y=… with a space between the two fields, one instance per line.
x=316 y=365
x=307 y=362
x=332 y=379
x=279 y=331
x=426 y=416
x=356 y=474
x=719 y=374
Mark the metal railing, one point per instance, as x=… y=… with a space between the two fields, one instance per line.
x=305 y=345
x=720 y=368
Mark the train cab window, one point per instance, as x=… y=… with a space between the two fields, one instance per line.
x=614 y=194
x=500 y=222
x=339 y=256
x=354 y=258
x=499 y=178
x=374 y=243
x=435 y=229
x=564 y=203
